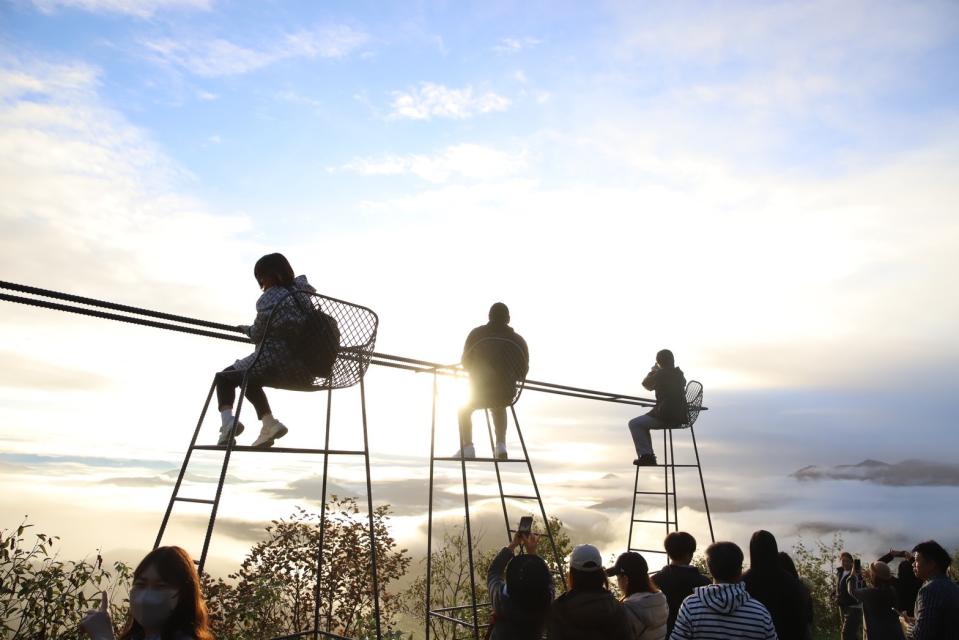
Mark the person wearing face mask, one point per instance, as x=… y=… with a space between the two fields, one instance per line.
x=165 y=602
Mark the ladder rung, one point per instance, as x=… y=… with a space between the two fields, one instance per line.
x=506 y=495
x=455 y=459
x=669 y=465
x=647 y=550
x=656 y=493
x=197 y=500
x=332 y=452
x=656 y=521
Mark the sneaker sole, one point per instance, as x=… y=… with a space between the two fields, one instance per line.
x=269 y=443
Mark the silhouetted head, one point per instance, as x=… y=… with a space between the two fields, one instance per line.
x=680 y=547
x=527 y=582
x=763 y=551
x=166 y=594
x=845 y=559
x=787 y=564
x=273 y=269
x=665 y=359
x=880 y=575
x=632 y=574
x=930 y=559
x=725 y=561
x=499 y=313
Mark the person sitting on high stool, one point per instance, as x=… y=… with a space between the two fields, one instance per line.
x=496 y=357
x=669 y=383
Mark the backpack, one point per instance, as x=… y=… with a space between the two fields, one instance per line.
x=317 y=341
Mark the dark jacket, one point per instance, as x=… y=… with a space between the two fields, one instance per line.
x=670 y=388
x=512 y=622
x=678 y=582
x=843 y=599
x=880 y=619
x=592 y=614
x=937 y=610
x=779 y=591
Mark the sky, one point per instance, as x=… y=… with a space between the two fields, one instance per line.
x=766 y=188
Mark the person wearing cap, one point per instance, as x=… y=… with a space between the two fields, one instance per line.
x=587 y=611
x=878 y=602
x=496 y=357
x=520 y=591
x=646 y=607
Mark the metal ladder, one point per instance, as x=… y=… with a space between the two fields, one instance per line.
x=447 y=613
x=694 y=399
x=326 y=452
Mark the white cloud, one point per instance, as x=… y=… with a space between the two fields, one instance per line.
x=467 y=160
x=431 y=100
x=220 y=57
x=138 y=8
x=509 y=46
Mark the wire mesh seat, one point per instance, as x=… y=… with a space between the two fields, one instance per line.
x=694 y=404
x=312 y=342
x=497 y=368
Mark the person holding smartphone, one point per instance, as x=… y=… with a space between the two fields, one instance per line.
x=878 y=600
x=520 y=589
x=850 y=610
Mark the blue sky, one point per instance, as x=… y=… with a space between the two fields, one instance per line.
x=768 y=188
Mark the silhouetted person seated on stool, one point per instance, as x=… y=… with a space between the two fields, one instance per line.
x=496 y=357
x=669 y=383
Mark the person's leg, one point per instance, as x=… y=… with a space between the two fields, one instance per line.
x=257 y=397
x=226 y=383
x=639 y=428
x=499 y=423
x=466 y=425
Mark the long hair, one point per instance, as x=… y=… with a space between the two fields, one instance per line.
x=639 y=582
x=578 y=579
x=276 y=265
x=189 y=616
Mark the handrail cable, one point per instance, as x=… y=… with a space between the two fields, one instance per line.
x=232 y=333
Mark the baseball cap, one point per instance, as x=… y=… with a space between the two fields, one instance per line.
x=585 y=557
x=629 y=562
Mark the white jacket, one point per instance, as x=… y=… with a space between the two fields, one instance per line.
x=647 y=614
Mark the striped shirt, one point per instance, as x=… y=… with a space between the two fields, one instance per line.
x=937 y=610
x=723 y=612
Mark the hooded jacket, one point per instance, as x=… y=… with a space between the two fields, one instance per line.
x=275 y=360
x=587 y=614
x=670 y=387
x=723 y=612
x=647 y=613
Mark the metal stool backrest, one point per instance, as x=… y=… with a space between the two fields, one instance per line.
x=694 y=401
x=504 y=358
x=356 y=325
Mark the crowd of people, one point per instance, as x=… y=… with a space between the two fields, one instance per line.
x=768 y=601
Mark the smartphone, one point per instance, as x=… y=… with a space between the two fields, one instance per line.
x=525 y=524
x=858 y=564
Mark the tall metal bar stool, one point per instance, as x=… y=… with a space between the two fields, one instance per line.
x=315 y=324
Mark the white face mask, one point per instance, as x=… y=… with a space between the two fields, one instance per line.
x=152 y=607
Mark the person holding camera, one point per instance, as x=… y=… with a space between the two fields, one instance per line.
x=520 y=590
x=878 y=601
x=850 y=610
x=669 y=383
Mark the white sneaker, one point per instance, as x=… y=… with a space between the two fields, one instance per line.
x=270 y=433
x=225 y=433
x=500 y=451
x=468 y=451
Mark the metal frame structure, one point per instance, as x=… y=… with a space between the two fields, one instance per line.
x=694 y=401
x=61 y=301
x=356 y=337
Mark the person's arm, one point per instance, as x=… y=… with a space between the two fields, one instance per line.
x=494 y=576
x=770 y=629
x=649 y=382
x=856 y=588
x=683 y=628
x=97 y=624
x=929 y=607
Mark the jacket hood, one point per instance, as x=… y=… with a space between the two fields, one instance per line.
x=300 y=282
x=652 y=608
x=723 y=598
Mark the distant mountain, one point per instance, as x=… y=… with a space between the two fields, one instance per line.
x=908 y=473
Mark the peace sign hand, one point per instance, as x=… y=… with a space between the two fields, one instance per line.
x=97 y=623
